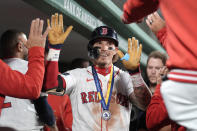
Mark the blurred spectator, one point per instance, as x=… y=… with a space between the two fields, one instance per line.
x=156 y=61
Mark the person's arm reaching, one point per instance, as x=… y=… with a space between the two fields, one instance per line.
x=135 y=10
x=140 y=95
x=16 y=84
x=158 y=26
x=56 y=37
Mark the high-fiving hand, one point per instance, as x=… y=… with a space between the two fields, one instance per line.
x=134 y=54
x=36 y=38
x=56 y=34
x=155 y=22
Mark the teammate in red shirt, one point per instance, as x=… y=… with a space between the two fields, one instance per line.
x=157 y=115
x=179 y=90
x=30 y=84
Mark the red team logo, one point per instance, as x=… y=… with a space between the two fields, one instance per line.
x=104 y=31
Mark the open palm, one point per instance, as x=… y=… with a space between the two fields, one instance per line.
x=56 y=34
x=134 y=54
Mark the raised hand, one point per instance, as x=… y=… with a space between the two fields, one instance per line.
x=134 y=54
x=155 y=22
x=36 y=38
x=162 y=72
x=56 y=34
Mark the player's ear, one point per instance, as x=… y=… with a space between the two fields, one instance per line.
x=19 y=47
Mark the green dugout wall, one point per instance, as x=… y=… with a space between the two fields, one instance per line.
x=85 y=15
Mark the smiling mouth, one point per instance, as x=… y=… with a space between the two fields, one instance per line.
x=103 y=55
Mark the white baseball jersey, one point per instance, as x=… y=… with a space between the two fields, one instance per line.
x=22 y=114
x=86 y=107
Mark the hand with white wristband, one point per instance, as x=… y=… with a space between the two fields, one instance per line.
x=141 y=95
x=56 y=36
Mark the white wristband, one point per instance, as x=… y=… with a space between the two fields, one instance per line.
x=53 y=55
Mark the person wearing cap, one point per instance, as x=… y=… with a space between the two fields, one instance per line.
x=102 y=94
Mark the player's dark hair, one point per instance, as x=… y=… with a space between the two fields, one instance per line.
x=8 y=43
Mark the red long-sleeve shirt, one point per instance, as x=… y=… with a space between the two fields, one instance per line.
x=16 y=84
x=181 y=21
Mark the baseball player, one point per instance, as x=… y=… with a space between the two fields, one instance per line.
x=15 y=110
x=102 y=95
x=30 y=84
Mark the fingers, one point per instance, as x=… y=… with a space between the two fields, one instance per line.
x=68 y=30
x=148 y=23
x=32 y=28
x=139 y=51
x=52 y=21
x=156 y=15
x=133 y=46
x=61 y=21
x=48 y=23
x=164 y=70
x=153 y=17
x=36 y=38
x=149 y=18
x=36 y=26
x=40 y=27
x=56 y=19
x=120 y=54
x=129 y=45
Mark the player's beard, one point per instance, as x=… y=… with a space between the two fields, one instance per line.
x=104 y=63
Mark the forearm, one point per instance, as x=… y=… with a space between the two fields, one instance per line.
x=52 y=69
x=156 y=114
x=28 y=86
x=53 y=82
x=141 y=95
x=44 y=111
x=135 y=10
